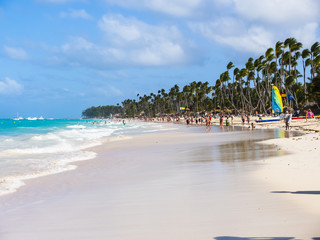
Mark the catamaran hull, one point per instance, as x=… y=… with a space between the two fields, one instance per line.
x=268 y=120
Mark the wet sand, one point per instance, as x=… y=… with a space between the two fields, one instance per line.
x=180 y=185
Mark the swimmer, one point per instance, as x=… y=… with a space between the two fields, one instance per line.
x=227 y=122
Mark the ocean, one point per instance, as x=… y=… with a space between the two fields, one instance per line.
x=183 y=184
x=38 y=147
x=31 y=148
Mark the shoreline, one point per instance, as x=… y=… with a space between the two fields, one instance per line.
x=63 y=183
x=312 y=124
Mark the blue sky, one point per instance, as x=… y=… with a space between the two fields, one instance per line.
x=59 y=57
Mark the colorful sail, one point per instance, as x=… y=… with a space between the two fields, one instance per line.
x=277 y=106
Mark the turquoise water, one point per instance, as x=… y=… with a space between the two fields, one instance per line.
x=12 y=127
x=34 y=148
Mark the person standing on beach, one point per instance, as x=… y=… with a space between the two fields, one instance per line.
x=243 y=118
x=287 y=120
x=208 y=123
x=221 y=120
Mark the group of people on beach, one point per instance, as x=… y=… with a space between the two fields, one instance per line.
x=227 y=119
x=224 y=120
x=289 y=114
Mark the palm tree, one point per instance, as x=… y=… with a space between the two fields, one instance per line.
x=278 y=66
x=295 y=48
x=235 y=73
x=230 y=66
x=258 y=67
x=278 y=50
x=290 y=42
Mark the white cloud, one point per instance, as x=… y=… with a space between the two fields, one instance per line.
x=147 y=44
x=10 y=86
x=130 y=42
x=133 y=30
x=235 y=34
x=116 y=91
x=278 y=11
x=108 y=91
x=16 y=53
x=222 y=3
x=253 y=26
x=255 y=40
x=121 y=28
x=78 y=44
x=254 y=22
x=306 y=34
x=178 y=8
x=274 y=11
x=81 y=13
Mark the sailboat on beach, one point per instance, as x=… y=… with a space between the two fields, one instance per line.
x=277 y=106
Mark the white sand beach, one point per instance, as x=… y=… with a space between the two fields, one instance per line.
x=179 y=185
x=296 y=176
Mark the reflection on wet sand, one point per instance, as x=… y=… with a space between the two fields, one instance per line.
x=236 y=151
x=246 y=151
x=242 y=147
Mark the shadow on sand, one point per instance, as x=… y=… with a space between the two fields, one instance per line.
x=299 y=192
x=260 y=238
x=254 y=238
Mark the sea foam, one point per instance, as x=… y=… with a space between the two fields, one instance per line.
x=37 y=148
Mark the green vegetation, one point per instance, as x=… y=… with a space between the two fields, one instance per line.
x=243 y=89
x=101 y=111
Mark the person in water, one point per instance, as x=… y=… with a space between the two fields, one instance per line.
x=227 y=122
x=243 y=118
x=221 y=120
x=208 y=123
x=124 y=122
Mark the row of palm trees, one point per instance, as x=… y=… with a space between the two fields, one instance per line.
x=247 y=89
x=102 y=111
